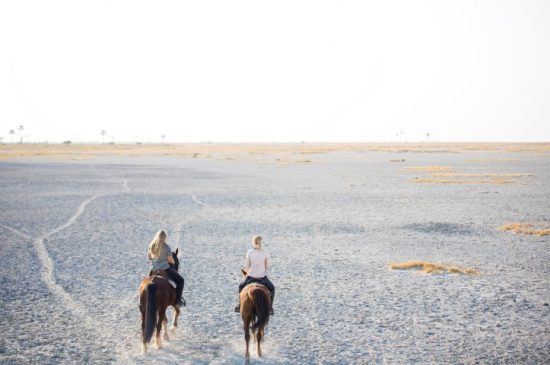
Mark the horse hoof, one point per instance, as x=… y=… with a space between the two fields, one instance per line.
x=144 y=350
x=158 y=344
x=173 y=329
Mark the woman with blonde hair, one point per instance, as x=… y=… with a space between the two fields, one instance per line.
x=256 y=264
x=160 y=255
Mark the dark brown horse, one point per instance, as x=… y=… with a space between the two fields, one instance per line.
x=155 y=295
x=255 y=302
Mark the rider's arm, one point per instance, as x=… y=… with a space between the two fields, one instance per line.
x=247 y=262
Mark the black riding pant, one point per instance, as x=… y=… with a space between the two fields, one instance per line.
x=176 y=278
x=264 y=281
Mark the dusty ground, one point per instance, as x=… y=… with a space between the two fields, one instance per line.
x=74 y=233
x=282 y=151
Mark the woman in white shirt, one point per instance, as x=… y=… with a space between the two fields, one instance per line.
x=257 y=263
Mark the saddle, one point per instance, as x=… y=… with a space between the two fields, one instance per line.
x=258 y=284
x=162 y=273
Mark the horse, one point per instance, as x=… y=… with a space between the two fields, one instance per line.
x=155 y=295
x=255 y=302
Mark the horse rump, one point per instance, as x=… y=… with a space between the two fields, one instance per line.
x=261 y=308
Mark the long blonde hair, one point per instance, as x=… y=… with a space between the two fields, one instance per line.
x=157 y=244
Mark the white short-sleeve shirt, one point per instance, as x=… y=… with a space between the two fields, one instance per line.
x=257 y=261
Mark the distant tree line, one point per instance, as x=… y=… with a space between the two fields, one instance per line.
x=15 y=134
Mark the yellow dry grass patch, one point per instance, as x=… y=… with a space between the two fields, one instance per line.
x=439 y=175
x=526 y=228
x=241 y=150
x=432 y=268
x=428 y=169
x=494 y=160
x=483 y=174
x=493 y=181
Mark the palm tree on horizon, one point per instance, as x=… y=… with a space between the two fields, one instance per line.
x=20 y=129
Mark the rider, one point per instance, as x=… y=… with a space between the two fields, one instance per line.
x=257 y=262
x=160 y=255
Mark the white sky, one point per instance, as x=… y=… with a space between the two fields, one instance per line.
x=276 y=71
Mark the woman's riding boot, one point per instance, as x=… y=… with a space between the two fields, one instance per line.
x=179 y=291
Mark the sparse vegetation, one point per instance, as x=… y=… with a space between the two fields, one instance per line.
x=428 y=168
x=445 y=175
x=21 y=129
x=244 y=151
x=526 y=228
x=436 y=180
x=494 y=160
x=483 y=174
x=432 y=268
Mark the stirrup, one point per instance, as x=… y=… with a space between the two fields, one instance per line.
x=238 y=309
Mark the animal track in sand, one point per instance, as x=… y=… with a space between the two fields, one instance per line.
x=196 y=200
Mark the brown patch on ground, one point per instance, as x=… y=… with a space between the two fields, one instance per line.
x=428 y=168
x=446 y=175
x=493 y=181
x=526 y=228
x=432 y=268
x=494 y=160
x=472 y=178
x=483 y=174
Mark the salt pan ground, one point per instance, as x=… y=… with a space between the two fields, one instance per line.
x=73 y=236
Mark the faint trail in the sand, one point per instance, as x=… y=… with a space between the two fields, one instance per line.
x=48 y=266
x=125 y=185
x=196 y=200
x=17 y=232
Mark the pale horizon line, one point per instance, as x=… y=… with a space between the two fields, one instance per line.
x=158 y=143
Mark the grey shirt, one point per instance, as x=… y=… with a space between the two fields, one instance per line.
x=161 y=262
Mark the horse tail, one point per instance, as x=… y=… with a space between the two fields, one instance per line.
x=150 y=311
x=261 y=308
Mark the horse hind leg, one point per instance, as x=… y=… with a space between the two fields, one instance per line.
x=247 y=341
x=158 y=342
x=259 y=335
x=165 y=325
x=176 y=316
x=143 y=343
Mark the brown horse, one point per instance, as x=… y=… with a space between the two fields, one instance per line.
x=255 y=302
x=155 y=295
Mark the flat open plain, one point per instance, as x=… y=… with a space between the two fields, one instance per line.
x=76 y=221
